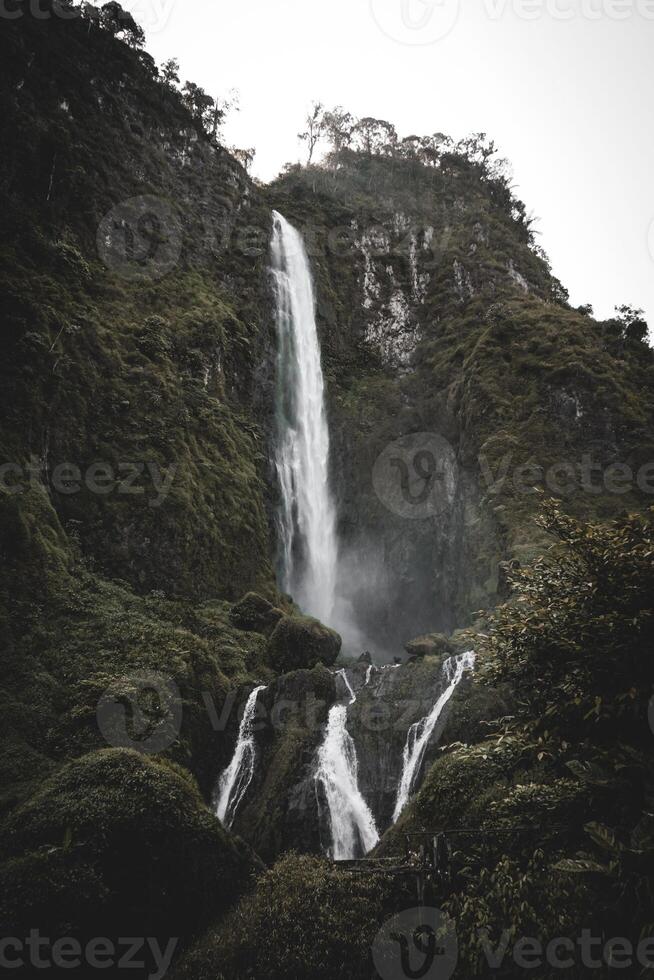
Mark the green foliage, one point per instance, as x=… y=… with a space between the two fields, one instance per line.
x=577 y=638
x=305 y=919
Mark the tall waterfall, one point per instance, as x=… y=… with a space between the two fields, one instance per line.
x=352 y=824
x=418 y=736
x=306 y=517
x=236 y=778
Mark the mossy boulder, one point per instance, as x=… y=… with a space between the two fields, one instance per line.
x=305 y=919
x=430 y=645
x=299 y=641
x=254 y=613
x=117 y=843
x=281 y=810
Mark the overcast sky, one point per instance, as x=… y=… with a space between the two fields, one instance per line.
x=564 y=87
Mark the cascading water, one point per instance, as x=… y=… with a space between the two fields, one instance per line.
x=236 y=778
x=419 y=734
x=352 y=824
x=306 y=517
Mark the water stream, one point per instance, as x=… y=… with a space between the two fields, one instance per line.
x=352 y=824
x=236 y=778
x=306 y=516
x=419 y=734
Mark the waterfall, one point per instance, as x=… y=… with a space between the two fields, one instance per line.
x=353 y=827
x=419 y=734
x=306 y=516
x=236 y=778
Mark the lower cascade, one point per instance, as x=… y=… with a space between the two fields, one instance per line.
x=353 y=828
x=236 y=778
x=419 y=734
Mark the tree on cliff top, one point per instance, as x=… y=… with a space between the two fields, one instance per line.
x=314 y=132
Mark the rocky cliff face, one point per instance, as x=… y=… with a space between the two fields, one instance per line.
x=135 y=317
x=282 y=809
x=458 y=377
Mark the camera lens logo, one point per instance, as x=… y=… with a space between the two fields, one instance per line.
x=416 y=476
x=417 y=943
x=142 y=712
x=140 y=239
x=415 y=22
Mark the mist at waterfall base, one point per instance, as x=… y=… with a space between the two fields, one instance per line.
x=310 y=567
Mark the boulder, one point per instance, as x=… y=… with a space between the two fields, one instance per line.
x=299 y=641
x=255 y=614
x=431 y=645
x=117 y=843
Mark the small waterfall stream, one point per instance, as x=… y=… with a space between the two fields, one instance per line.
x=306 y=516
x=419 y=734
x=236 y=778
x=352 y=825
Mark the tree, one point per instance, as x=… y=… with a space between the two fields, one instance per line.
x=338 y=125
x=222 y=106
x=374 y=136
x=244 y=156
x=314 y=132
x=201 y=106
x=632 y=324
x=170 y=73
x=120 y=22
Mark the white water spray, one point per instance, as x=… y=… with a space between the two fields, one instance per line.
x=306 y=517
x=418 y=736
x=236 y=778
x=353 y=827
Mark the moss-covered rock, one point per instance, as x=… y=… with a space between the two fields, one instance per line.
x=431 y=645
x=280 y=811
x=255 y=613
x=300 y=641
x=118 y=844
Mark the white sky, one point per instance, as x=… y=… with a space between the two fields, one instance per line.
x=564 y=87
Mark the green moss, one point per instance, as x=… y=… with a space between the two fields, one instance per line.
x=114 y=844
